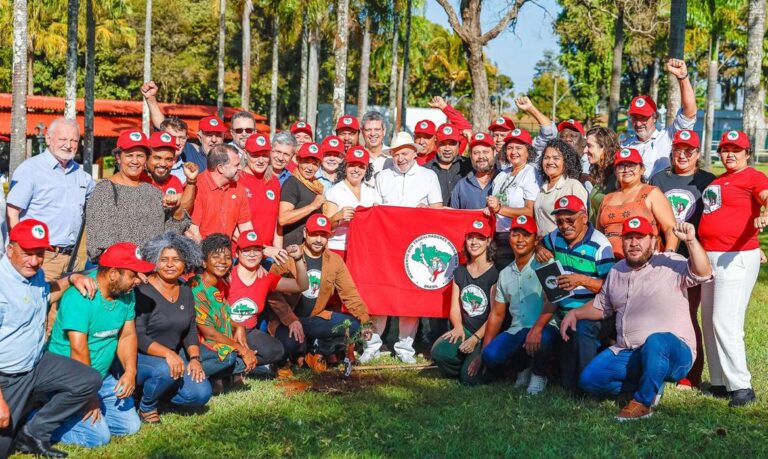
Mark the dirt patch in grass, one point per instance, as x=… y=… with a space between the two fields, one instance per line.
x=334 y=383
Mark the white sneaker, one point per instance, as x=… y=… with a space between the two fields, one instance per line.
x=367 y=356
x=409 y=359
x=523 y=378
x=537 y=385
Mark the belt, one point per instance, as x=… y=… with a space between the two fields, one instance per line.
x=68 y=250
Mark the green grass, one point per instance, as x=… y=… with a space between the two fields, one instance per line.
x=419 y=414
x=717 y=168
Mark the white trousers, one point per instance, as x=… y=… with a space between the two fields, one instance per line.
x=723 y=307
x=407 y=327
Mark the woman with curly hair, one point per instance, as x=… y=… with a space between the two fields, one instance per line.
x=602 y=145
x=168 y=350
x=560 y=170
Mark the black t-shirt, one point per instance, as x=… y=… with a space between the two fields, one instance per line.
x=169 y=324
x=300 y=196
x=475 y=296
x=684 y=194
x=308 y=297
x=448 y=178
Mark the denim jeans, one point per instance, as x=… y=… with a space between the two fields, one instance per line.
x=214 y=366
x=118 y=417
x=663 y=357
x=506 y=350
x=154 y=375
x=316 y=328
x=578 y=351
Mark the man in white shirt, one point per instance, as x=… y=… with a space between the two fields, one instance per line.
x=404 y=184
x=654 y=145
x=374 y=131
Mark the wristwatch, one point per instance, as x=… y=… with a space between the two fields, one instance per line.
x=195 y=357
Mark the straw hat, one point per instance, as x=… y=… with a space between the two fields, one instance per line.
x=403 y=140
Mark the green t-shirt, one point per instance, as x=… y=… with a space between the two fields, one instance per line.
x=100 y=319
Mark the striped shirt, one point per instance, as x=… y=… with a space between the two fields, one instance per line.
x=592 y=256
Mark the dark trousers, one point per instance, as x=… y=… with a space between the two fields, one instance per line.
x=504 y=254
x=578 y=351
x=68 y=383
x=317 y=328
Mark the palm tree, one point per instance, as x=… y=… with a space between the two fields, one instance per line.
x=365 y=66
x=393 y=68
x=147 y=62
x=275 y=71
x=90 y=77
x=754 y=122
x=406 y=65
x=676 y=46
x=618 y=52
x=304 y=67
x=70 y=87
x=19 y=85
x=245 y=80
x=222 y=50
x=340 y=55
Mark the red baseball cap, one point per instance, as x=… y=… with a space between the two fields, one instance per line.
x=502 y=123
x=627 y=155
x=737 y=138
x=162 y=139
x=125 y=255
x=309 y=150
x=258 y=145
x=571 y=124
x=643 y=106
x=211 y=124
x=301 y=126
x=569 y=203
x=133 y=138
x=358 y=154
x=519 y=136
x=481 y=138
x=686 y=137
x=637 y=225
x=30 y=234
x=448 y=132
x=332 y=144
x=525 y=223
x=318 y=223
x=480 y=227
x=347 y=122
x=248 y=239
x=425 y=127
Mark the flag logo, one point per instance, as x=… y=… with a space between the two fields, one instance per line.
x=314 y=284
x=347 y=121
x=447 y=130
x=170 y=191
x=333 y=142
x=516 y=132
x=135 y=136
x=244 y=309
x=165 y=137
x=625 y=153
x=214 y=122
x=300 y=125
x=474 y=300
x=251 y=236
x=430 y=261
x=423 y=125
x=551 y=282
x=685 y=135
x=640 y=103
x=733 y=135
x=634 y=223
x=261 y=141
x=500 y=121
x=38 y=232
x=270 y=195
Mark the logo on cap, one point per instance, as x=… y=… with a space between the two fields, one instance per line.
x=522 y=220
x=300 y=125
x=358 y=153
x=478 y=224
x=571 y=121
x=214 y=122
x=517 y=132
x=135 y=136
x=251 y=236
x=634 y=223
x=313 y=148
x=38 y=232
x=347 y=121
x=479 y=136
x=138 y=253
x=733 y=135
x=170 y=191
x=447 y=130
x=499 y=120
x=563 y=202
x=625 y=153
x=685 y=135
x=165 y=137
x=423 y=125
x=333 y=143
x=261 y=141
x=640 y=103
x=322 y=221
x=270 y=195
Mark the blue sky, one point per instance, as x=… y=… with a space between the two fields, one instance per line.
x=515 y=53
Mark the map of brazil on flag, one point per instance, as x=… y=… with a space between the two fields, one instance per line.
x=402 y=259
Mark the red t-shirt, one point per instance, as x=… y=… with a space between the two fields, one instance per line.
x=247 y=301
x=424 y=159
x=173 y=185
x=731 y=204
x=264 y=201
x=219 y=209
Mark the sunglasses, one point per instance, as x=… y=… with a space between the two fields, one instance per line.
x=246 y=130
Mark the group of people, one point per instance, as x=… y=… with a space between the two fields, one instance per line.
x=210 y=262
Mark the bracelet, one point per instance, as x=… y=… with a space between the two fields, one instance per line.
x=478 y=338
x=682 y=78
x=194 y=357
x=191 y=182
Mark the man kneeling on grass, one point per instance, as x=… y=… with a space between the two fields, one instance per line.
x=655 y=338
x=306 y=325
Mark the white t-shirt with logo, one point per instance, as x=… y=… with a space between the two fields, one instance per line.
x=655 y=151
x=513 y=191
x=341 y=195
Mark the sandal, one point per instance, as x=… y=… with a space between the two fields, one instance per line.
x=150 y=417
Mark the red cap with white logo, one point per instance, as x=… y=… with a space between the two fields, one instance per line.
x=132 y=138
x=258 y=145
x=686 y=137
x=162 y=139
x=125 y=255
x=480 y=227
x=502 y=123
x=332 y=144
x=30 y=234
x=571 y=124
x=248 y=239
x=347 y=122
x=524 y=222
x=638 y=225
x=737 y=138
x=310 y=150
x=518 y=136
x=301 y=126
x=358 y=155
x=318 y=223
x=447 y=132
x=211 y=124
x=569 y=203
x=643 y=106
x=627 y=155
x=480 y=138
x=425 y=127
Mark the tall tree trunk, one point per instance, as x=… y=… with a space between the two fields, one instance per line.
x=275 y=71
x=654 y=89
x=313 y=74
x=19 y=85
x=753 y=104
x=676 y=46
x=481 y=102
x=90 y=78
x=365 y=68
x=147 y=63
x=222 y=44
x=245 y=79
x=304 y=69
x=340 y=55
x=709 y=113
x=70 y=84
x=393 y=73
x=618 y=52
x=30 y=72
x=406 y=65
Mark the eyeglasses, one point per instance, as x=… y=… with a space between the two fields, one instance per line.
x=627 y=167
x=687 y=152
x=241 y=130
x=253 y=250
x=566 y=221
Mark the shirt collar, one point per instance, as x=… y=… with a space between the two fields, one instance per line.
x=527 y=266
x=410 y=172
x=636 y=140
x=53 y=163
x=206 y=176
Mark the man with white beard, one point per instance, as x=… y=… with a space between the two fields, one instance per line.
x=52 y=187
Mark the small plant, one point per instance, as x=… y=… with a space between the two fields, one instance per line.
x=351 y=342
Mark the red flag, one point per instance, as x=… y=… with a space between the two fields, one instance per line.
x=402 y=259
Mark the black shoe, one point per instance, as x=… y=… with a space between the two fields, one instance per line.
x=718 y=391
x=26 y=443
x=741 y=397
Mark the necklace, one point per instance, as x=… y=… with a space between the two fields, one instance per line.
x=162 y=290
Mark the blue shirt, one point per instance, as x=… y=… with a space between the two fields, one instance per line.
x=23 y=309
x=195 y=154
x=592 y=257
x=522 y=293
x=467 y=194
x=178 y=170
x=283 y=176
x=322 y=178
x=45 y=191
